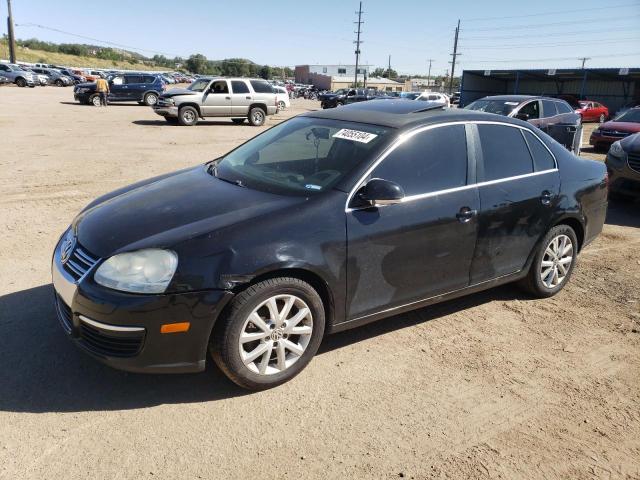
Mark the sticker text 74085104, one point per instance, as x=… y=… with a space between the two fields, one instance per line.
x=355 y=135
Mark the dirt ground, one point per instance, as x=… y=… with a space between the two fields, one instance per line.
x=495 y=385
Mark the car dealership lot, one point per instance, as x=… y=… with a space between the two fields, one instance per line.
x=490 y=385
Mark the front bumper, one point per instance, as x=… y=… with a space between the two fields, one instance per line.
x=597 y=140
x=622 y=178
x=122 y=330
x=166 y=111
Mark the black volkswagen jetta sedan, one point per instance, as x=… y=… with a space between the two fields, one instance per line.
x=327 y=221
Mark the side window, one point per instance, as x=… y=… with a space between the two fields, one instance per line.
x=504 y=152
x=219 y=86
x=117 y=80
x=261 y=86
x=542 y=159
x=129 y=79
x=532 y=109
x=428 y=162
x=563 y=107
x=549 y=108
x=149 y=79
x=239 y=86
x=4 y=68
x=342 y=71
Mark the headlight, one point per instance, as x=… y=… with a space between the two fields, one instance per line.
x=143 y=271
x=616 y=149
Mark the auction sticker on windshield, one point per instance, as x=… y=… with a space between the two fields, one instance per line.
x=355 y=135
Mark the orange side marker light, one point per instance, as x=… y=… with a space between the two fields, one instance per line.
x=175 y=327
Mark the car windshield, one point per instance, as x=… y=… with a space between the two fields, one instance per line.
x=631 y=116
x=199 y=85
x=302 y=156
x=501 y=107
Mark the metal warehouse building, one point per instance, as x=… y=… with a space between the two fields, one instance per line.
x=613 y=87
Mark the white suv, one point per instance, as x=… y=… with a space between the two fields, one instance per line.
x=235 y=98
x=440 y=98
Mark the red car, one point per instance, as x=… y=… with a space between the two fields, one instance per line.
x=620 y=127
x=591 y=111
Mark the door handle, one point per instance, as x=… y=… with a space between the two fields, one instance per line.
x=228 y=98
x=545 y=197
x=248 y=98
x=466 y=214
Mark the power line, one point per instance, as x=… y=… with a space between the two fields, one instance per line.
x=549 y=24
x=554 y=12
x=562 y=44
x=514 y=60
x=557 y=34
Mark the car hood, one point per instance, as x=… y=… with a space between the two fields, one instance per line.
x=621 y=126
x=174 y=92
x=631 y=144
x=170 y=210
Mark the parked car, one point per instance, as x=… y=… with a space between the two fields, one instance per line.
x=623 y=165
x=87 y=76
x=282 y=97
x=345 y=96
x=4 y=80
x=551 y=115
x=17 y=75
x=76 y=78
x=129 y=87
x=627 y=106
x=55 y=77
x=439 y=98
x=235 y=98
x=620 y=127
x=591 y=111
x=328 y=221
x=41 y=78
x=455 y=98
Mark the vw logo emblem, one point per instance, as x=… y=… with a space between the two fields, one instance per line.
x=68 y=244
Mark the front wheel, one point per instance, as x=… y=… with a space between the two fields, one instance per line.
x=150 y=99
x=257 y=116
x=271 y=332
x=602 y=118
x=59 y=83
x=21 y=82
x=553 y=262
x=95 y=100
x=188 y=116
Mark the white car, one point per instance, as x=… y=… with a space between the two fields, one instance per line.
x=435 y=97
x=282 y=97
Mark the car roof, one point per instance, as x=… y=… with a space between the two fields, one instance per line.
x=520 y=98
x=402 y=113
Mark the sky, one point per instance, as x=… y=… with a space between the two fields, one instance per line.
x=494 y=34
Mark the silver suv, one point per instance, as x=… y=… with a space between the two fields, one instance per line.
x=17 y=75
x=235 y=98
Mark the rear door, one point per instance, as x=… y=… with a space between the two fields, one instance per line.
x=216 y=102
x=241 y=98
x=135 y=87
x=518 y=187
x=423 y=246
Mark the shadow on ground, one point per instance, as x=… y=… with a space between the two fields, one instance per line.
x=164 y=123
x=42 y=371
x=114 y=104
x=625 y=213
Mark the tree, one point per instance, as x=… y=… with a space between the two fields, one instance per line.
x=378 y=72
x=197 y=64
x=265 y=72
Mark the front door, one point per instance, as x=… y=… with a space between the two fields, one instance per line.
x=422 y=247
x=117 y=88
x=217 y=100
x=241 y=98
x=519 y=186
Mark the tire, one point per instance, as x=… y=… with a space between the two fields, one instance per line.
x=188 y=116
x=275 y=362
x=21 y=82
x=59 y=83
x=150 y=99
x=94 y=100
x=257 y=116
x=602 y=118
x=171 y=120
x=533 y=282
x=282 y=105
x=238 y=121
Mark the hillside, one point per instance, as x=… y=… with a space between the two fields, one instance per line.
x=39 y=56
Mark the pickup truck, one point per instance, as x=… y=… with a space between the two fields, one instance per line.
x=345 y=96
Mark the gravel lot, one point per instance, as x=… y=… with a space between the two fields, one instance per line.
x=495 y=385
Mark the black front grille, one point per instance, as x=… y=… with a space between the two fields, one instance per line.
x=117 y=344
x=64 y=314
x=80 y=261
x=634 y=161
x=614 y=133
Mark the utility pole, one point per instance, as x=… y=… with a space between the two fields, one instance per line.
x=429 y=74
x=358 y=42
x=12 y=38
x=389 y=68
x=455 y=55
x=584 y=59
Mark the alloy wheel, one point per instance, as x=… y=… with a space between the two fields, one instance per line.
x=276 y=334
x=258 y=117
x=189 y=116
x=556 y=261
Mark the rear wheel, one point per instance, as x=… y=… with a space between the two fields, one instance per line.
x=188 y=116
x=281 y=105
x=257 y=116
x=270 y=333
x=602 y=118
x=553 y=263
x=21 y=82
x=150 y=99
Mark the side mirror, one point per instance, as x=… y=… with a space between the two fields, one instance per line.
x=523 y=116
x=380 y=192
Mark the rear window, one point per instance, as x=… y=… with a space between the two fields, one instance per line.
x=149 y=79
x=504 y=152
x=261 y=87
x=500 y=107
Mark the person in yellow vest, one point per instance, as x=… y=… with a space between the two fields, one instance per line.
x=102 y=87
